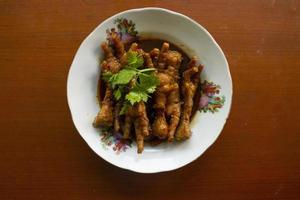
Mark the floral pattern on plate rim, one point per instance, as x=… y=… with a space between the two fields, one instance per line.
x=210 y=101
x=115 y=139
x=125 y=29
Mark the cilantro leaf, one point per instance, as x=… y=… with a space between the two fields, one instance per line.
x=123 y=77
x=134 y=60
x=136 y=95
x=151 y=89
x=148 y=82
x=118 y=94
x=124 y=108
x=106 y=75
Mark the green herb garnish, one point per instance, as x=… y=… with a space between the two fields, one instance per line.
x=106 y=76
x=123 y=77
x=134 y=60
x=124 y=108
x=139 y=82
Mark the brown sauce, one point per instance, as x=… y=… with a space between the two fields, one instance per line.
x=147 y=45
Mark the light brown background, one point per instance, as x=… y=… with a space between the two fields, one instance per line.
x=257 y=155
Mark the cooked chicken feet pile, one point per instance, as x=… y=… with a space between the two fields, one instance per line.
x=172 y=101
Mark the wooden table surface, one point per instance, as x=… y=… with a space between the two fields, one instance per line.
x=257 y=155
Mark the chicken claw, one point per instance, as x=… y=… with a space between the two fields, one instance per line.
x=105 y=116
x=191 y=79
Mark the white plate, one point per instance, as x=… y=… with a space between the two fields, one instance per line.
x=191 y=37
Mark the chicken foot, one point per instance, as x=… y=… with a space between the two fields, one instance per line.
x=191 y=79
